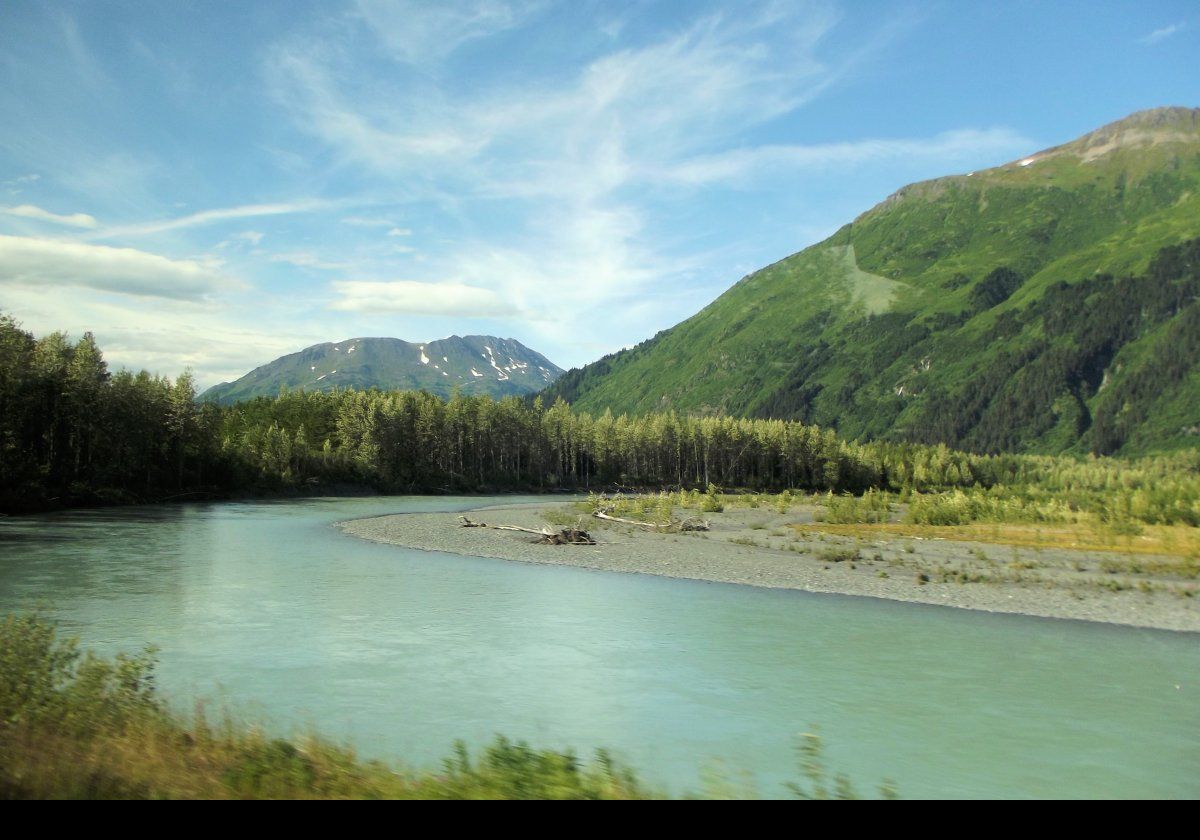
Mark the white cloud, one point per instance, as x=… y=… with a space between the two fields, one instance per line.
x=417 y=298
x=575 y=164
x=1163 y=33
x=368 y=221
x=14 y=186
x=48 y=263
x=207 y=217
x=252 y=236
x=29 y=211
x=565 y=154
x=166 y=336
x=565 y=186
x=417 y=31
x=770 y=161
x=307 y=259
x=399 y=232
x=711 y=81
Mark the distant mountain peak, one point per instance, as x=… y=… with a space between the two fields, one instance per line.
x=472 y=364
x=1173 y=128
x=1152 y=127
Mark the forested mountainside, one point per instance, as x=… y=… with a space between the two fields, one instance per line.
x=1047 y=305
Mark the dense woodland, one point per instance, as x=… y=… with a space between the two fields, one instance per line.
x=71 y=432
x=1087 y=366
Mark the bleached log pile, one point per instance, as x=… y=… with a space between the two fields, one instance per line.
x=674 y=526
x=563 y=536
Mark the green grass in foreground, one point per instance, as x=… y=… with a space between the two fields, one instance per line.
x=77 y=726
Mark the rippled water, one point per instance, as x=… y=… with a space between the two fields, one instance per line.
x=269 y=608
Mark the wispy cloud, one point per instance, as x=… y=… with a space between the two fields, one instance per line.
x=208 y=217
x=567 y=157
x=742 y=165
x=413 y=297
x=368 y=221
x=29 y=211
x=581 y=156
x=713 y=80
x=308 y=259
x=585 y=167
x=48 y=264
x=14 y=186
x=164 y=335
x=417 y=32
x=1163 y=33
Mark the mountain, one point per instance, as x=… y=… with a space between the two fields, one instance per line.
x=1046 y=305
x=476 y=364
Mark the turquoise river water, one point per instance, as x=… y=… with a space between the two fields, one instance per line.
x=268 y=609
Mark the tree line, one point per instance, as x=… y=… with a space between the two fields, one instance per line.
x=72 y=432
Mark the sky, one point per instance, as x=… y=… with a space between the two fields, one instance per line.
x=209 y=186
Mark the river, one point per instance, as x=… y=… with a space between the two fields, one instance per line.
x=267 y=609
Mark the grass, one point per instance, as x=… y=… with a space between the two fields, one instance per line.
x=840 y=555
x=74 y=725
x=1174 y=540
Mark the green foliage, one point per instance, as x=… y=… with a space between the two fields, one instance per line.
x=840 y=555
x=872 y=506
x=45 y=681
x=80 y=726
x=142 y=437
x=711 y=502
x=994 y=289
x=1042 y=308
x=819 y=783
x=514 y=770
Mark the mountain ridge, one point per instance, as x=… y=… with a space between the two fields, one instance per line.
x=921 y=295
x=474 y=364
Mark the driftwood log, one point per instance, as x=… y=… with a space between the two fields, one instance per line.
x=663 y=527
x=564 y=536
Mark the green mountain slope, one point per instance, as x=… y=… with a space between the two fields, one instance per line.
x=927 y=317
x=476 y=364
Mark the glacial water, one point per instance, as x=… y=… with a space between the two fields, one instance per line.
x=266 y=608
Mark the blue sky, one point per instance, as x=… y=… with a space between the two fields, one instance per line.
x=211 y=185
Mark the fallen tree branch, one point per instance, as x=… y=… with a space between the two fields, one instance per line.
x=544 y=532
x=566 y=536
x=665 y=527
x=601 y=514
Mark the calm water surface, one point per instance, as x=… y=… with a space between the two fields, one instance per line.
x=268 y=608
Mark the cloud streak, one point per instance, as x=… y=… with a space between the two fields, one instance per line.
x=770 y=161
x=29 y=211
x=586 y=167
x=417 y=298
x=209 y=217
x=52 y=264
x=1163 y=33
x=419 y=32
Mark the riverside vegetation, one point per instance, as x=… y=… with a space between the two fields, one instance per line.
x=76 y=725
x=1071 y=537
x=71 y=432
